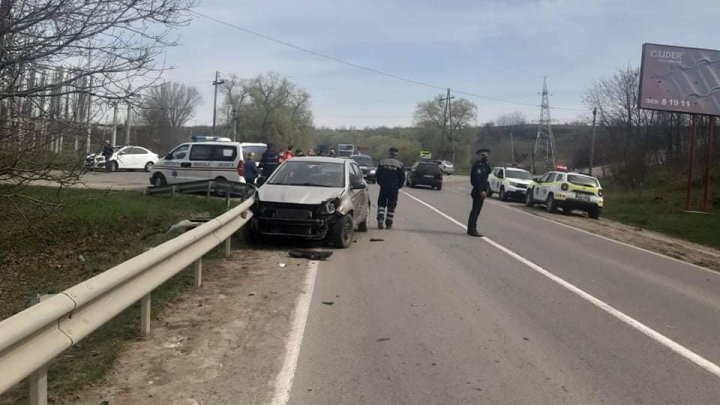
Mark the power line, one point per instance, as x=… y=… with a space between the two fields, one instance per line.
x=362 y=67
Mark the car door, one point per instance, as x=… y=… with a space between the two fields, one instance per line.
x=360 y=197
x=143 y=157
x=175 y=165
x=538 y=189
x=546 y=185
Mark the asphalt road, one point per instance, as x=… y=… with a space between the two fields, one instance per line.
x=535 y=313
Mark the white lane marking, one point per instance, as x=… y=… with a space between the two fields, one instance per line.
x=284 y=379
x=646 y=330
x=605 y=238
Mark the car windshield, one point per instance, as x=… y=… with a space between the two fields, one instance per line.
x=309 y=173
x=518 y=174
x=581 y=180
x=363 y=160
x=431 y=168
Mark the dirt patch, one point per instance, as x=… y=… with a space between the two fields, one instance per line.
x=653 y=241
x=221 y=344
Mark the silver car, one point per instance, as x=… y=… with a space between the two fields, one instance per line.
x=315 y=198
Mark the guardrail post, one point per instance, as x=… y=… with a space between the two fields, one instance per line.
x=145 y=306
x=228 y=247
x=210 y=185
x=37 y=381
x=227 y=196
x=198 y=272
x=172 y=192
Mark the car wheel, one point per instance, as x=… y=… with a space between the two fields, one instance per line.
x=594 y=214
x=503 y=197
x=550 y=204
x=529 y=199
x=114 y=166
x=149 y=166
x=439 y=187
x=251 y=234
x=158 y=180
x=343 y=232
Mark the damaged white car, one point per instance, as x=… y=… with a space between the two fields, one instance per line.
x=314 y=198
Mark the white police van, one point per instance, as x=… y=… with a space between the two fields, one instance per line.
x=219 y=159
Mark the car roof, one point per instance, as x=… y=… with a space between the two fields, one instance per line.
x=512 y=168
x=324 y=159
x=360 y=155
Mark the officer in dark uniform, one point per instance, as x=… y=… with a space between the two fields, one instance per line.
x=480 y=189
x=269 y=161
x=390 y=176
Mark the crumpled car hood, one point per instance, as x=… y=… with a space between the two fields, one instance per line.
x=297 y=194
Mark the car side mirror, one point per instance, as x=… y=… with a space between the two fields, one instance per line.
x=359 y=185
x=260 y=181
x=500 y=176
x=121 y=153
x=169 y=156
x=537 y=180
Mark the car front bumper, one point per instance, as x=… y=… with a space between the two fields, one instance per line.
x=514 y=191
x=298 y=222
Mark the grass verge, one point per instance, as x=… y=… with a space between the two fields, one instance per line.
x=72 y=236
x=659 y=205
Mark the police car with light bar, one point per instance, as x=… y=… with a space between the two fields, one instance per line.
x=567 y=191
x=205 y=159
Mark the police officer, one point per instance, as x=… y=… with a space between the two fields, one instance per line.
x=390 y=176
x=480 y=189
x=269 y=160
x=107 y=152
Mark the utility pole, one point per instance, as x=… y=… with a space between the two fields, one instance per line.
x=215 y=83
x=592 y=144
x=114 y=132
x=89 y=116
x=512 y=144
x=234 y=128
x=127 y=124
x=446 y=118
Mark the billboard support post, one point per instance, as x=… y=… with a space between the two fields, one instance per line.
x=708 y=160
x=690 y=161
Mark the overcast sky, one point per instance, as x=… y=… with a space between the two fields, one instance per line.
x=500 y=49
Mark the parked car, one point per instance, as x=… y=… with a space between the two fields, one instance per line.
x=213 y=160
x=314 y=198
x=509 y=182
x=567 y=191
x=124 y=158
x=367 y=165
x=446 y=166
x=425 y=173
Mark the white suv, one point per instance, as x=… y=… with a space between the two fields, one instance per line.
x=194 y=161
x=567 y=191
x=509 y=182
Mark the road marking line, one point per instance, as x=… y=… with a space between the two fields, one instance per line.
x=284 y=379
x=646 y=330
x=604 y=237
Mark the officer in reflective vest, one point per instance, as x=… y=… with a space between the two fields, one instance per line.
x=480 y=189
x=390 y=176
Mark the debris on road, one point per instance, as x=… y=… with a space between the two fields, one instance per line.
x=328 y=302
x=379 y=340
x=282 y=265
x=310 y=254
x=377 y=240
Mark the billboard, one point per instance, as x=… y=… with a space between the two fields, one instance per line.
x=679 y=79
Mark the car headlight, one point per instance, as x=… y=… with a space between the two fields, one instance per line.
x=600 y=193
x=372 y=171
x=330 y=207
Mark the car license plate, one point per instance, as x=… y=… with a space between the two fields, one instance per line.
x=582 y=197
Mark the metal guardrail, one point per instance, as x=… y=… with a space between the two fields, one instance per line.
x=224 y=187
x=29 y=340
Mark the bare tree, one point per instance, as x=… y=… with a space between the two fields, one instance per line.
x=512 y=119
x=59 y=61
x=170 y=105
x=443 y=124
x=269 y=108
